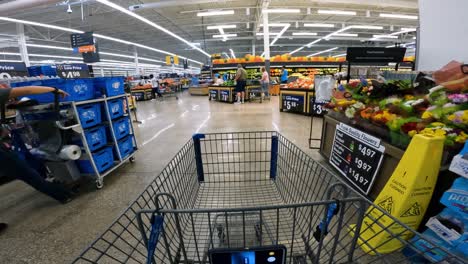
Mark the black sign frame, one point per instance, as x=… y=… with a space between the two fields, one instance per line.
x=84 y=39
x=73 y=71
x=293 y=106
x=13 y=69
x=375 y=54
x=357 y=156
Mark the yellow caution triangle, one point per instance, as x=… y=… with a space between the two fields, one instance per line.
x=405 y=196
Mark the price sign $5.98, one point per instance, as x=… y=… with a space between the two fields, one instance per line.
x=293 y=103
x=290 y=105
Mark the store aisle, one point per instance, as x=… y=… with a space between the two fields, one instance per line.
x=42 y=231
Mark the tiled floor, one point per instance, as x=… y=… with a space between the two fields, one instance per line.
x=43 y=231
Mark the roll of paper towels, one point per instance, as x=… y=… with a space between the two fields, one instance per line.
x=70 y=152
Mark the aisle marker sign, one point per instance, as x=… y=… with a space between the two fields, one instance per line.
x=172 y=60
x=357 y=156
x=13 y=69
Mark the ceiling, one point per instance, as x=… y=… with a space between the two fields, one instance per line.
x=180 y=17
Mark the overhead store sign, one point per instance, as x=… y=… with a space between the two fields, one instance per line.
x=86 y=45
x=375 y=55
x=172 y=60
x=216 y=56
x=13 y=69
x=72 y=71
x=80 y=40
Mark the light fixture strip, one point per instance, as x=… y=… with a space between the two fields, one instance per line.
x=232 y=53
x=323 y=51
x=337 y=12
x=216 y=13
x=304 y=34
x=398 y=16
x=318 y=25
x=282 y=11
x=280 y=34
x=221 y=26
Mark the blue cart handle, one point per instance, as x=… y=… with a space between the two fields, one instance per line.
x=322 y=228
x=156 y=230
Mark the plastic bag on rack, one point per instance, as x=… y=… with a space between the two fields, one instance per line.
x=453 y=76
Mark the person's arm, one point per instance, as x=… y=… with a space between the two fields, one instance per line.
x=27 y=90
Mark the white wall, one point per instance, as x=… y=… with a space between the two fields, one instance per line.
x=443 y=33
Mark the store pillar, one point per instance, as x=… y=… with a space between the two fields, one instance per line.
x=266 y=41
x=137 y=68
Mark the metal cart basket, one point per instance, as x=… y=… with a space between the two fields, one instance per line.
x=243 y=190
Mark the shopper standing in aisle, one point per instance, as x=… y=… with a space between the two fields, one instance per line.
x=241 y=82
x=265 y=83
x=12 y=165
x=154 y=86
x=284 y=75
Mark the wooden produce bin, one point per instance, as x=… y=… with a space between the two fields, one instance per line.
x=294 y=100
x=391 y=157
x=198 y=90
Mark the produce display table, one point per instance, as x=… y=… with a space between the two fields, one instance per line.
x=142 y=94
x=222 y=93
x=294 y=100
x=195 y=90
x=391 y=156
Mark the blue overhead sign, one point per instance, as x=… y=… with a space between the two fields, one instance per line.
x=13 y=69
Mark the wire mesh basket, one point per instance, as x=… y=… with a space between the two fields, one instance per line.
x=248 y=190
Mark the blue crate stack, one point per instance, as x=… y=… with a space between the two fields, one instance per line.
x=93 y=116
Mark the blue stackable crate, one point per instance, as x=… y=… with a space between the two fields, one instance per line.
x=109 y=86
x=96 y=137
x=89 y=114
x=46 y=70
x=121 y=127
x=104 y=160
x=126 y=146
x=116 y=108
x=78 y=90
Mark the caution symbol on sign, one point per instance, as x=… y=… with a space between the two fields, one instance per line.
x=414 y=210
x=386 y=204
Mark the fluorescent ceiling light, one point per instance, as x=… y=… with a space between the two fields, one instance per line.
x=216 y=13
x=221 y=26
x=323 y=51
x=398 y=16
x=390 y=46
x=225 y=36
x=11 y=61
x=232 y=53
x=304 y=34
x=280 y=34
x=276 y=24
x=296 y=50
x=281 y=10
x=313 y=42
x=10 y=53
x=408 y=29
x=271 y=33
x=40 y=24
x=345 y=35
x=337 y=12
x=385 y=36
x=366 y=27
x=54 y=56
x=47 y=47
x=318 y=25
x=339 y=55
x=130 y=13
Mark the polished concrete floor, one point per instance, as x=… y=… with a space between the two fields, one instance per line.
x=44 y=231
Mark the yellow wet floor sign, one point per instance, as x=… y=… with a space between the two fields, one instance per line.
x=405 y=196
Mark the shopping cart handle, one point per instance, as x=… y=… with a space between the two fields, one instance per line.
x=59 y=125
x=322 y=228
x=156 y=229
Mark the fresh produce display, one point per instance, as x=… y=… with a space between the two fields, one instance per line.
x=229 y=83
x=406 y=108
x=285 y=58
x=302 y=82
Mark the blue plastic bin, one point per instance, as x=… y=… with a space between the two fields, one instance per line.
x=126 y=146
x=116 y=108
x=89 y=114
x=109 y=86
x=78 y=89
x=104 y=160
x=96 y=137
x=46 y=70
x=121 y=127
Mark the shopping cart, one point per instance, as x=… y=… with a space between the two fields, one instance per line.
x=167 y=90
x=239 y=192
